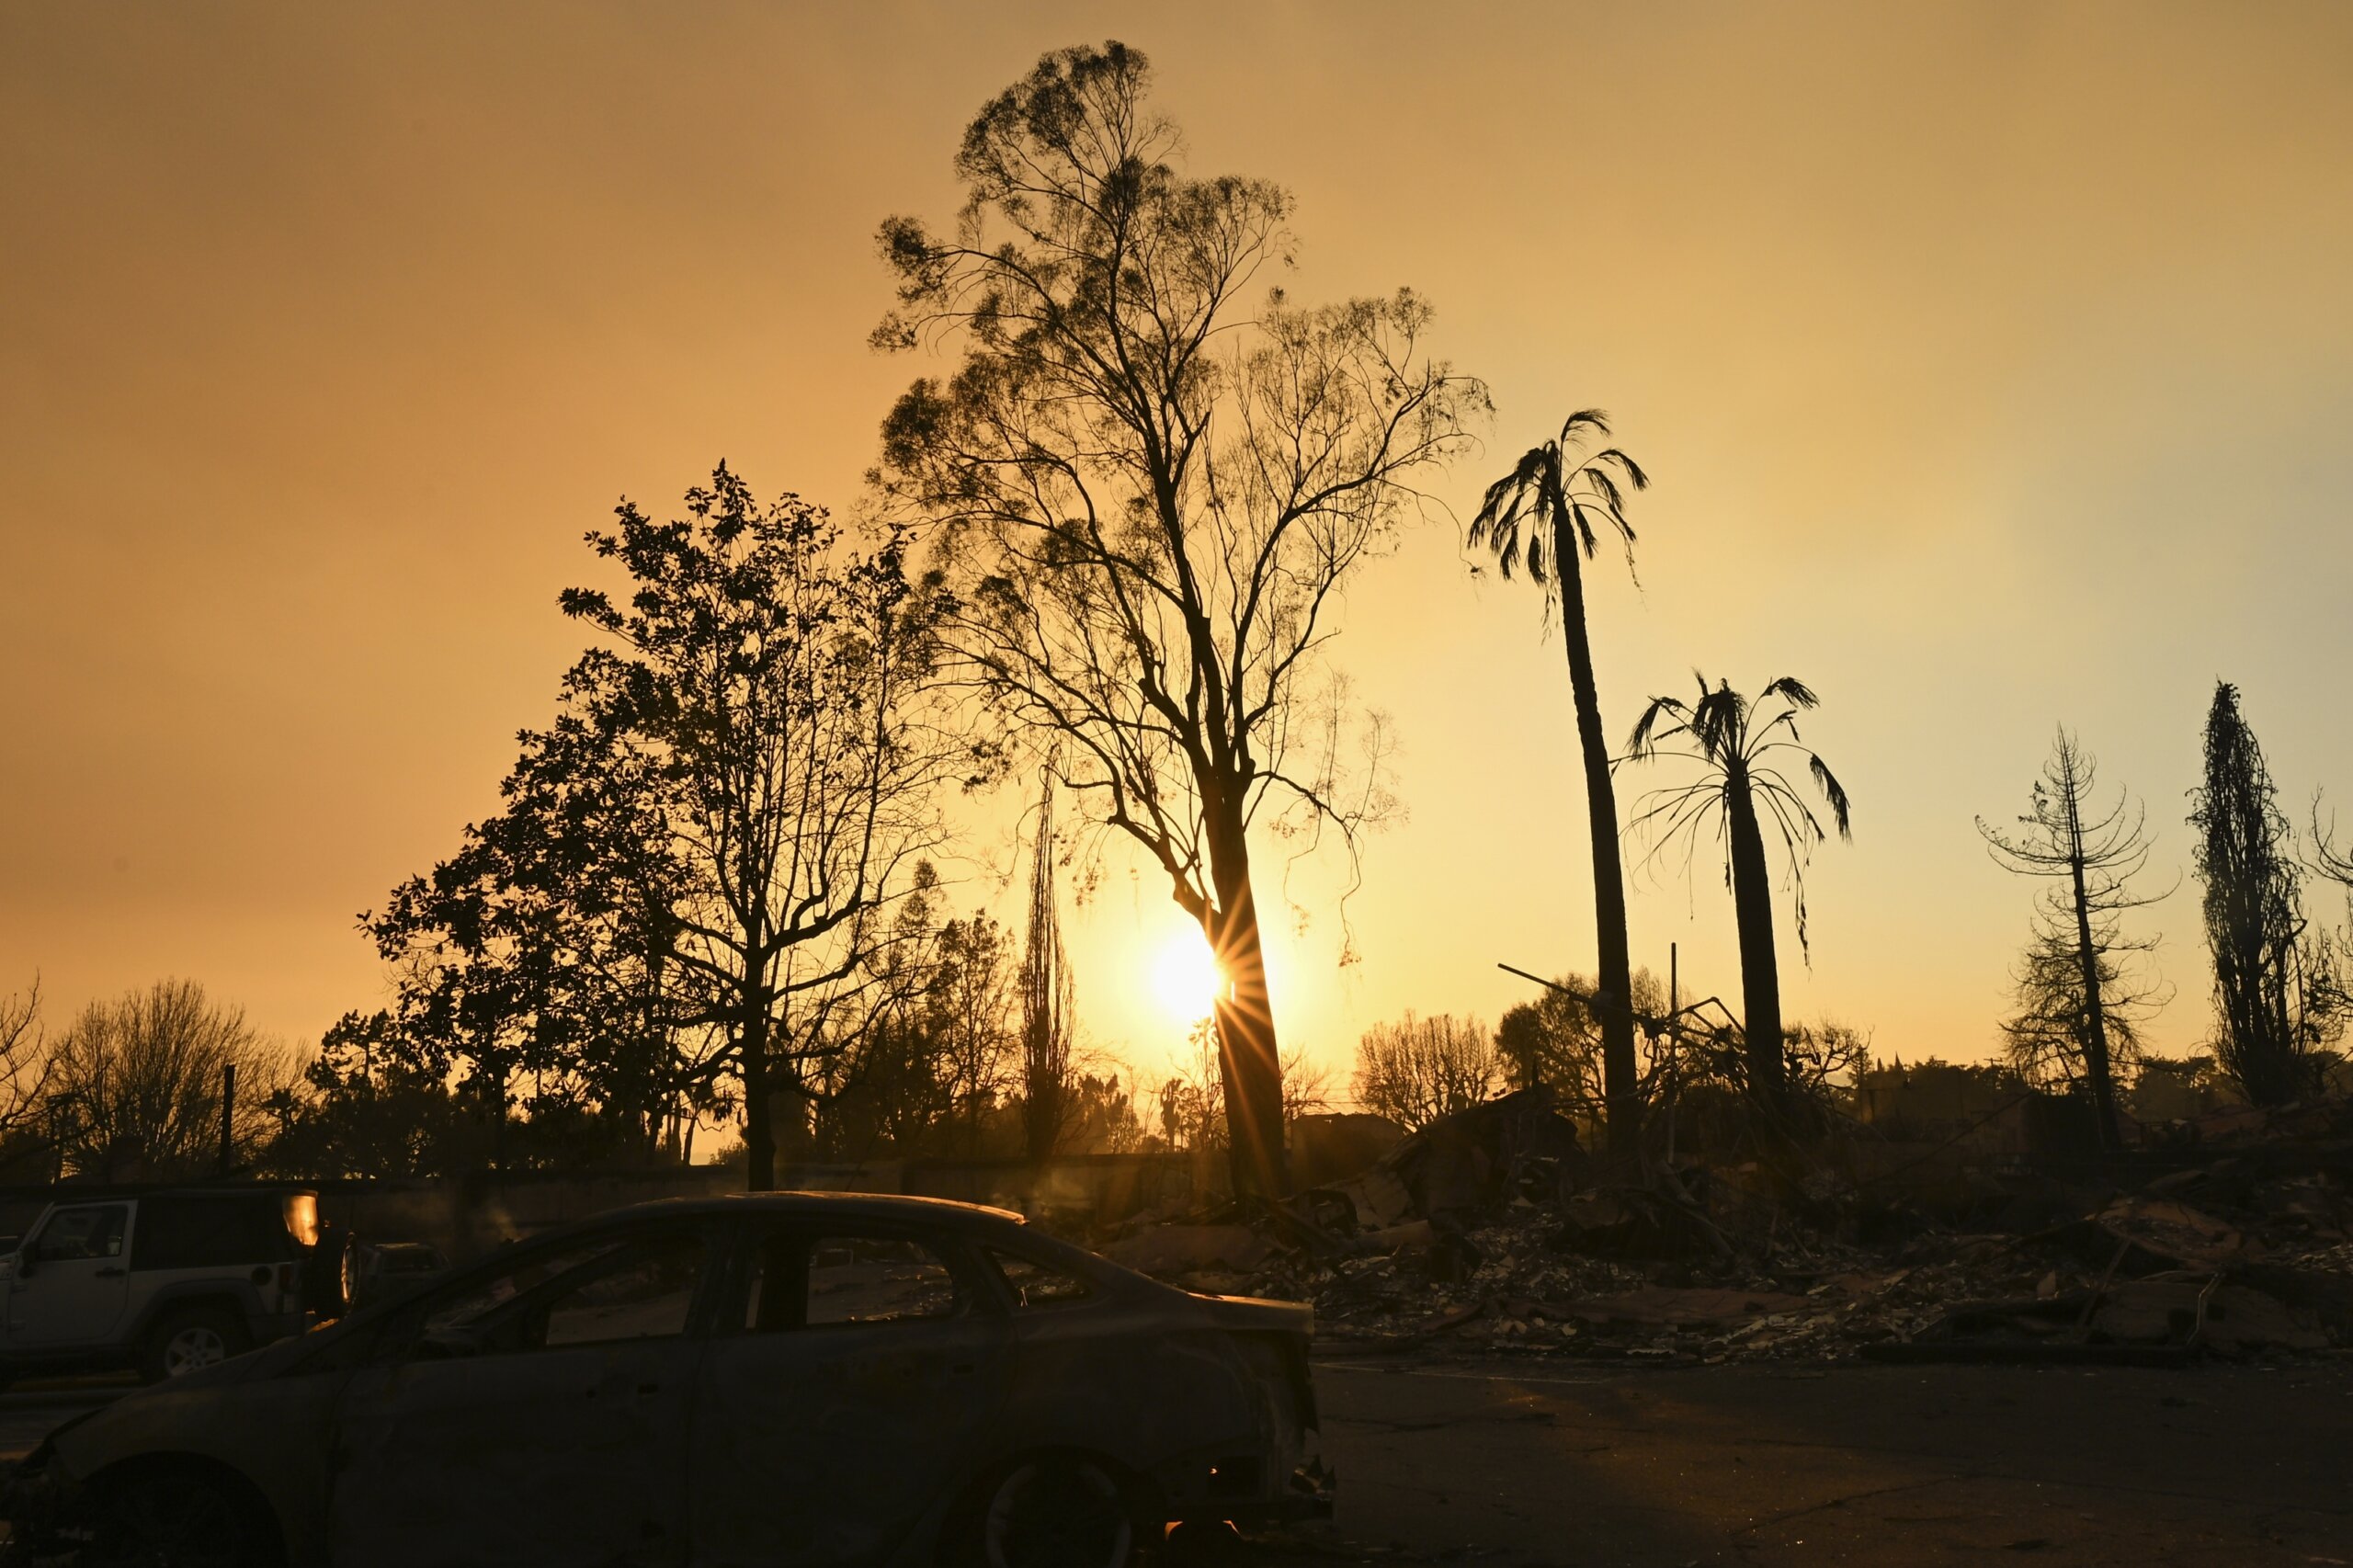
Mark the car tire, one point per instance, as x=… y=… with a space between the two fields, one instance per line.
x=180 y=1516
x=192 y=1339
x=1050 y=1511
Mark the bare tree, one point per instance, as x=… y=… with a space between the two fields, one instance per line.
x=1046 y=1020
x=1739 y=742
x=2278 y=999
x=1416 y=1070
x=1149 y=496
x=2046 y=1037
x=2078 y=1006
x=140 y=1081
x=1562 y=489
x=27 y=1064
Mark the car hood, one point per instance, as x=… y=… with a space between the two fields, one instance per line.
x=1255 y=1312
x=197 y=1412
x=262 y=1363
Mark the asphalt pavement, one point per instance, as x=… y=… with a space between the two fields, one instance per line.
x=1519 y=1464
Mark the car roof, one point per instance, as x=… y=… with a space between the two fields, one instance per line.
x=829 y=1205
x=74 y=1190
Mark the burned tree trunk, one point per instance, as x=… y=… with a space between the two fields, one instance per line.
x=1760 y=972
x=1614 y=971
x=1248 y=1058
x=2097 y=1069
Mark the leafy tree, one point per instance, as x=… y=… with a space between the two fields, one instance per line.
x=376 y=1102
x=1416 y=1070
x=1544 y=515
x=1150 y=495
x=2278 y=1000
x=1097 y=1117
x=138 y=1083
x=971 y=1001
x=1691 y=1061
x=1737 y=741
x=699 y=879
x=1558 y=1041
x=2079 y=1010
x=537 y=962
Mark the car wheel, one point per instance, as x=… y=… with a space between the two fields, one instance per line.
x=1059 y=1511
x=174 y=1518
x=188 y=1342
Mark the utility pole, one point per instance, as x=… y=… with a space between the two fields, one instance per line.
x=228 y=1113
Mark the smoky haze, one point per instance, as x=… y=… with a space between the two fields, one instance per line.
x=1992 y=363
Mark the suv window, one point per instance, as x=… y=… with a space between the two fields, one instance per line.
x=1036 y=1284
x=91 y=1231
x=803 y=1280
x=210 y=1232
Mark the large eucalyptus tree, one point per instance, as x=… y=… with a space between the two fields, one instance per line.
x=1148 y=479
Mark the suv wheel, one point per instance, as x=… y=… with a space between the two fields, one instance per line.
x=186 y=1341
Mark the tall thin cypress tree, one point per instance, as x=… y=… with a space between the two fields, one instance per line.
x=1045 y=998
x=2275 y=996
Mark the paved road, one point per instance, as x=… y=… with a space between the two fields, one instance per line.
x=1763 y=1466
x=1519 y=1465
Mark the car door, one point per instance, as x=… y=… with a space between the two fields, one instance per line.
x=70 y=1287
x=534 y=1417
x=848 y=1397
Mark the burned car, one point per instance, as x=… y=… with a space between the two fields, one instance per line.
x=789 y=1380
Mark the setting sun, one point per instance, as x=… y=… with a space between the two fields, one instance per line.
x=1186 y=977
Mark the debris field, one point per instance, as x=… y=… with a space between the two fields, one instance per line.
x=1492 y=1229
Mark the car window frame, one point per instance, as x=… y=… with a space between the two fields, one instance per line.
x=982 y=1294
x=30 y=1248
x=540 y=1297
x=1096 y=1292
x=393 y=1337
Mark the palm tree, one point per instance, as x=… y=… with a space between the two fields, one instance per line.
x=1542 y=513
x=1736 y=740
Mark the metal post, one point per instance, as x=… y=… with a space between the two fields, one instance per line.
x=1674 y=982
x=228 y=1112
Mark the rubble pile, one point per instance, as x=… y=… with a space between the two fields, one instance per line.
x=1493 y=1228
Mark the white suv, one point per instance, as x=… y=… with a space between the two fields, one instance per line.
x=164 y=1280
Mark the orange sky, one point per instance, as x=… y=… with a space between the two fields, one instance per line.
x=1993 y=361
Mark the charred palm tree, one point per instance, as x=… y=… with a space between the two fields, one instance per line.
x=1738 y=741
x=1543 y=514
